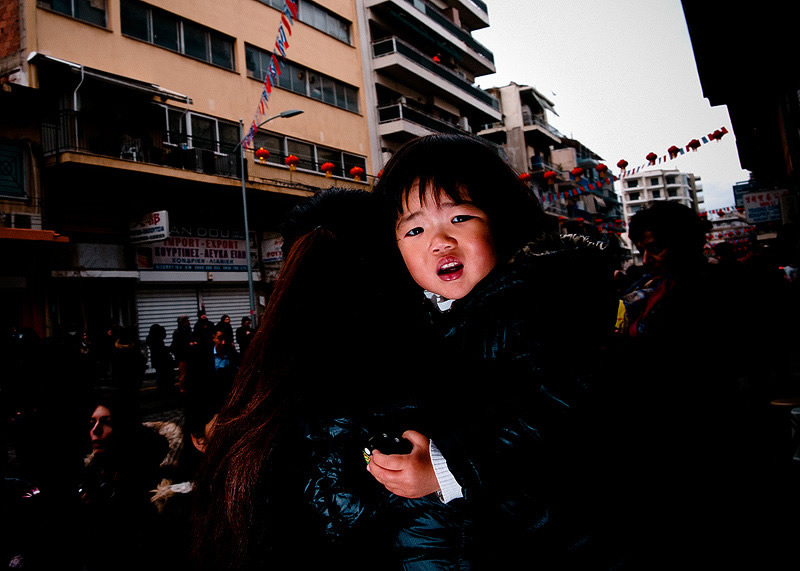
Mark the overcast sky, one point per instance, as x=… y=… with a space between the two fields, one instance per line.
x=622 y=76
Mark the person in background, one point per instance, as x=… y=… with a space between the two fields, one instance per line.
x=128 y=363
x=244 y=334
x=224 y=325
x=115 y=516
x=181 y=349
x=701 y=399
x=161 y=358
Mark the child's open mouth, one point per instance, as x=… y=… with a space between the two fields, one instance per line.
x=450 y=270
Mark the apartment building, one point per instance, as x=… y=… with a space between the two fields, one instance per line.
x=585 y=204
x=421 y=62
x=121 y=128
x=644 y=187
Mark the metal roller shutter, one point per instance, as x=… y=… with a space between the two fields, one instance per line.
x=164 y=306
x=231 y=301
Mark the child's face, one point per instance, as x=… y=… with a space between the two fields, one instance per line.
x=447 y=247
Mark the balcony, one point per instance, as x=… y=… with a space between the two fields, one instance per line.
x=404 y=63
x=473 y=13
x=404 y=122
x=427 y=21
x=76 y=132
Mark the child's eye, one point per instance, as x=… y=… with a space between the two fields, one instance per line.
x=414 y=231
x=461 y=218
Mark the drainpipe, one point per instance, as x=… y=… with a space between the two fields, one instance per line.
x=75 y=105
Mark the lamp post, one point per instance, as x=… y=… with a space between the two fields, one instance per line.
x=284 y=114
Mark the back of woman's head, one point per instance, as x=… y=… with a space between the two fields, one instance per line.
x=457 y=164
x=334 y=273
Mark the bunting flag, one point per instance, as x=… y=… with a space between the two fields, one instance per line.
x=584 y=187
x=653 y=159
x=288 y=17
x=672 y=153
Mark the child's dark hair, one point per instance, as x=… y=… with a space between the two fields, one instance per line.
x=457 y=164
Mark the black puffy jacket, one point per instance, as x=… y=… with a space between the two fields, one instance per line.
x=502 y=394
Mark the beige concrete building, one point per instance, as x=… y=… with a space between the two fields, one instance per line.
x=421 y=62
x=117 y=116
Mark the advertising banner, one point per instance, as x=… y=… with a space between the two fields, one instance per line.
x=763 y=206
x=150 y=227
x=194 y=254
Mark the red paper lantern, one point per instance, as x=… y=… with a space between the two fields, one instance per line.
x=651 y=158
x=356 y=173
x=622 y=164
x=673 y=151
x=525 y=177
x=602 y=170
x=718 y=134
x=693 y=145
x=550 y=176
x=292 y=161
x=262 y=154
x=327 y=168
x=577 y=172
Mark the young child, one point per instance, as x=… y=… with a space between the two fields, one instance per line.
x=508 y=299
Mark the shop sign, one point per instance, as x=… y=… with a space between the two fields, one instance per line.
x=185 y=253
x=272 y=249
x=763 y=206
x=150 y=227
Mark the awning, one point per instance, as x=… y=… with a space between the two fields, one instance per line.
x=543 y=102
x=130 y=83
x=32 y=235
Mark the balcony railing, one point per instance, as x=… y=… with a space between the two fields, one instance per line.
x=403 y=112
x=78 y=132
x=537 y=122
x=395 y=45
x=449 y=25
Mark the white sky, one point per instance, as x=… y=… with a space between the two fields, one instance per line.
x=622 y=76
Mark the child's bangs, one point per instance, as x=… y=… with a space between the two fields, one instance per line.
x=434 y=186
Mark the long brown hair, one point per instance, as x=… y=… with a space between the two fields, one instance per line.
x=311 y=308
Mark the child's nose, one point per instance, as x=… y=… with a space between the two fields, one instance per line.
x=442 y=241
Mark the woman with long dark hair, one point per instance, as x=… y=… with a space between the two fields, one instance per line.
x=284 y=481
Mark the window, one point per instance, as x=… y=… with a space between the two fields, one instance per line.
x=654 y=181
x=672 y=193
x=657 y=193
x=92 y=11
x=631 y=183
x=633 y=196
x=200 y=131
x=12 y=167
x=317 y=17
x=323 y=20
x=311 y=156
x=671 y=179
x=166 y=30
x=301 y=80
x=303 y=151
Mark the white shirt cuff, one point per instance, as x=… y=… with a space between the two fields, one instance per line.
x=448 y=485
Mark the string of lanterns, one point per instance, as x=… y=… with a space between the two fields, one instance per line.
x=672 y=152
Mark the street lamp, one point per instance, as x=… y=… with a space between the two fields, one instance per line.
x=282 y=114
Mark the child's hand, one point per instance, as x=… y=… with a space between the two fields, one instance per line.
x=407 y=475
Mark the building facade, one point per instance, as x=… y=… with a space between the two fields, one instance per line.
x=420 y=61
x=122 y=123
x=586 y=204
x=642 y=188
